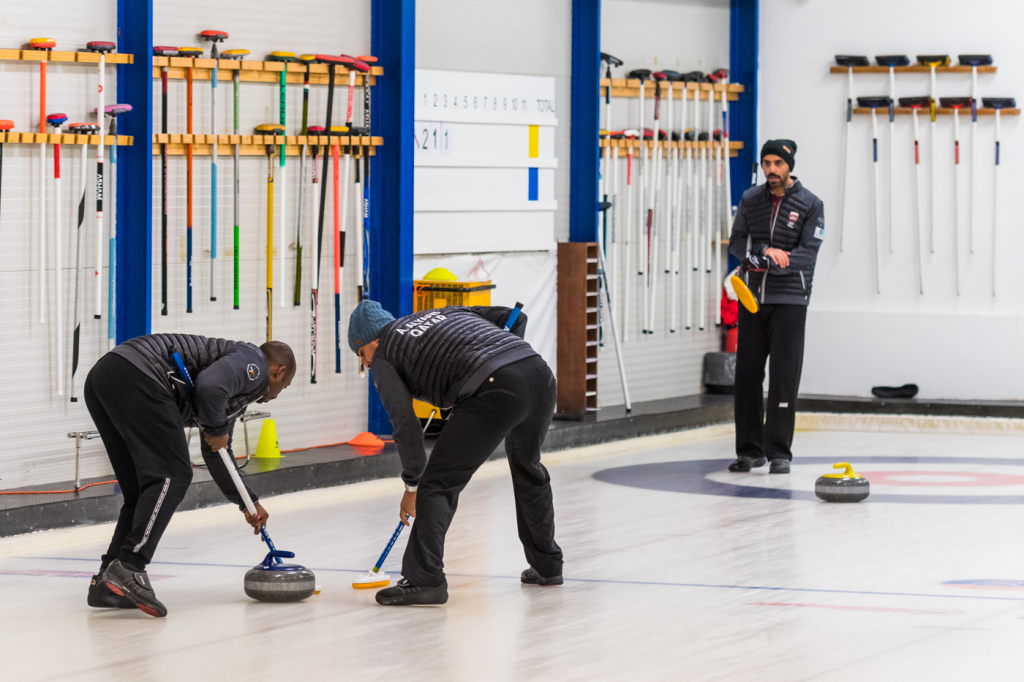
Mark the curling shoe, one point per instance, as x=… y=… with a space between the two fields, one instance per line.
x=779 y=466
x=404 y=594
x=126 y=581
x=101 y=597
x=745 y=464
x=532 y=577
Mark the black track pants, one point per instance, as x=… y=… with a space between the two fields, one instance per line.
x=143 y=434
x=774 y=333
x=515 y=404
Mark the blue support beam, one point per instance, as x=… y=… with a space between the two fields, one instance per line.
x=135 y=171
x=584 y=124
x=743 y=51
x=393 y=42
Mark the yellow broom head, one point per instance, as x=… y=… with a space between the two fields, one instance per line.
x=743 y=294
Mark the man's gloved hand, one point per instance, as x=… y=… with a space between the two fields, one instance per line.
x=751 y=263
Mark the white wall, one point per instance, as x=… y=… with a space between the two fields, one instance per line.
x=531 y=37
x=965 y=346
x=34 y=419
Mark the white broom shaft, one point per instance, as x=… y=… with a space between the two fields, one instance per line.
x=716 y=246
x=917 y=203
x=934 y=162
x=83 y=169
x=956 y=191
x=58 y=266
x=892 y=159
x=691 y=229
x=627 y=258
x=615 y=337
x=712 y=173
x=705 y=234
x=614 y=254
x=42 y=234
x=100 y=113
x=974 y=151
x=995 y=207
x=844 y=168
x=237 y=480
x=643 y=181
x=878 y=200
x=727 y=163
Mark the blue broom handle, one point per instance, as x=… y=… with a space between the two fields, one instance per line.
x=512 y=316
x=391 y=543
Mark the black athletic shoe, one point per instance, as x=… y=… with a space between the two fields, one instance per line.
x=745 y=464
x=779 y=466
x=404 y=594
x=532 y=577
x=125 y=581
x=101 y=597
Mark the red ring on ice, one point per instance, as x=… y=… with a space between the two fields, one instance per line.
x=971 y=479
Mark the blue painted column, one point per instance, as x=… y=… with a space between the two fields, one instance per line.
x=135 y=170
x=391 y=176
x=585 y=120
x=743 y=55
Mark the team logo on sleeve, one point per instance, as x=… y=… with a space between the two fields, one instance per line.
x=793 y=217
x=253 y=371
x=819 y=231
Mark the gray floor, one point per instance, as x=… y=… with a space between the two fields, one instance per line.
x=665 y=581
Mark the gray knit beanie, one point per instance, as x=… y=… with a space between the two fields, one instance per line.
x=365 y=323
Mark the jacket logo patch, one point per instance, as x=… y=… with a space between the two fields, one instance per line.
x=253 y=371
x=793 y=217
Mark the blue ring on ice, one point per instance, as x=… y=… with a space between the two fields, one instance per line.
x=691 y=477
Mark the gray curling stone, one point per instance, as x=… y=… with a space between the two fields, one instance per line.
x=847 y=486
x=277 y=582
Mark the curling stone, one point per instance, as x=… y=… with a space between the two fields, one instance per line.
x=278 y=582
x=847 y=486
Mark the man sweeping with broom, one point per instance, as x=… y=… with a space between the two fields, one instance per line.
x=501 y=389
x=140 y=403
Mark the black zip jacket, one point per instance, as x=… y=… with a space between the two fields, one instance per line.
x=441 y=357
x=798 y=227
x=228 y=376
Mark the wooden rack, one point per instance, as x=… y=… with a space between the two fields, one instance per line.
x=256 y=145
x=622 y=87
x=63 y=138
x=914 y=68
x=55 y=56
x=577 y=327
x=257 y=71
x=904 y=111
x=734 y=145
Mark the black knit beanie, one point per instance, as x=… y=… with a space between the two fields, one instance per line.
x=784 y=149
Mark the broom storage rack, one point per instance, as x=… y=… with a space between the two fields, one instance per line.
x=734 y=145
x=623 y=87
x=56 y=56
x=904 y=111
x=256 y=145
x=913 y=68
x=63 y=138
x=258 y=71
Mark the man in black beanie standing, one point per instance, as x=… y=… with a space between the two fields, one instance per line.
x=781 y=224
